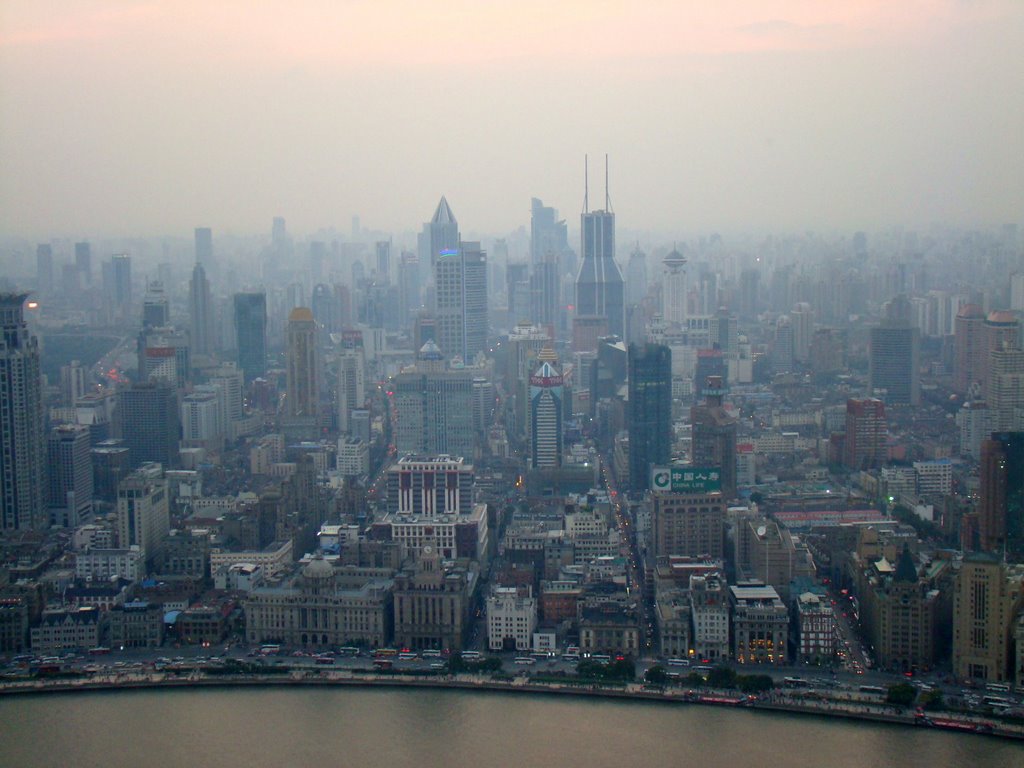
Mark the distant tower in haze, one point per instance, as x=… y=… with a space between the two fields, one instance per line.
x=460 y=287
x=83 y=263
x=303 y=379
x=22 y=436
x=251 y=333
x=204 y=246
x=200 y=307
x=636 y=277
x=121 y=283
x=650 y=411
x=714 y=435
x=599 y=287
x=439 y=234
x=894 y=356
x=351 y=379
x=675 y=288
x=44 y=269
x=156 y=309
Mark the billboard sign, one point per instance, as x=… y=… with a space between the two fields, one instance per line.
x=686 y=479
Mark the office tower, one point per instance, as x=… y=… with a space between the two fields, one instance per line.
x=72 y=382
x=22 y=433
x=44 y=269
x=599 y=288
x=165 y=353
x=802 y=319
x=484 y=398
x=636 y=277
x=200 y=306
x=782 y=345
x=279 y=238
x=1017 y=292
x=543 y=288
x=440 y=234
x=688 y=524
x=650 y=411
x=324 y=304
x=70 y=475
x=749 y=298
x=351 y=379
x=866 y=433
x=434 y=407
x=251 y=333
x=228 y=378
x=409 y=289
x=430 y=486
x=143 y=511
x=1005 y=386
x=150 y=422
x=894 y=356
x=382 y=250
x=201 y=418
x=969 y=348
x=1001 y=502
x=985 y=605
x=525 y=342
x=302 y=405
x=156 y=309
x=204 y=247
x=974 y=420
x=548 y=233
x=519 y=289
x=460 y=304
x=120 y=288
x=827 y=356
x=713 y=435
x=546 y=413
x=674 y=288
x=83 y=263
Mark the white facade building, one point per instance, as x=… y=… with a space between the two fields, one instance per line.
x=511 y=618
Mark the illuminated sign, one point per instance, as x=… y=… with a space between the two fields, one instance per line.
x=686 y=479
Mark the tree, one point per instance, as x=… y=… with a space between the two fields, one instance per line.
x=722 y=677
x=932 y=700
x=901 y=694
x=456 y=663
x=755 y=683
x=656 y=675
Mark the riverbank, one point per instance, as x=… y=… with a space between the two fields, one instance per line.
x=778 y=702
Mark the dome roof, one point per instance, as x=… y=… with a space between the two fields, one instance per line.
x=970 y=311
x=301 y=314
x=1002 y=317
x=318 y=568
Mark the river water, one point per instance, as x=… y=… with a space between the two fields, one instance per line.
x=284 y=727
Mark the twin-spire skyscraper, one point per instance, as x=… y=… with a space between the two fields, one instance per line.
x=599 y=285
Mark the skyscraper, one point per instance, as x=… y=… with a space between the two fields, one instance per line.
x=636 y=276
x=1001 y=502
x=204 y=247
x=546 y=413
x=302 y=405
x=351 y=378
x=251 y=333
x=650 y=411
x=894 y=356
x=866 y=433
x=714 y=435
x=200 y=307
x=83 y=263
x=599 y=286
x=674 y=287
x=120 y=288
x=143 y=510
x=460 y=304
x=44 y=269
x=70 y=475
x=150 y=422
x=439 y=234
x=22 y=436
x=969 y=347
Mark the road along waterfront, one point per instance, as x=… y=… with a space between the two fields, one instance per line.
x=373 y=726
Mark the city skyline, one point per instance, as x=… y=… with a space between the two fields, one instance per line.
x=784 y=116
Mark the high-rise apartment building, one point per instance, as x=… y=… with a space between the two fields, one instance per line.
x=866 y=433
x=251 y=333
x=22 y=435
x=713 y=435
x=650 y=411
x=1005 y=389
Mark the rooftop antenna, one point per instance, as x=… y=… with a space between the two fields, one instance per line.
x=607 y=198
x=586 y=185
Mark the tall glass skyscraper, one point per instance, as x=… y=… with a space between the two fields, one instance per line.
x=251 y=333
x=650 y=411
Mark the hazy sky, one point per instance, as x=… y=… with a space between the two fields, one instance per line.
x=126 y=118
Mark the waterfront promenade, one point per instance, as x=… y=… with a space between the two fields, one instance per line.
x=841 y=705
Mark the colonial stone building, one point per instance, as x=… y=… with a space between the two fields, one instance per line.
x=432 y=603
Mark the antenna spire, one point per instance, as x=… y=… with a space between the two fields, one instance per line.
x=586 y=185
x=607 y=198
